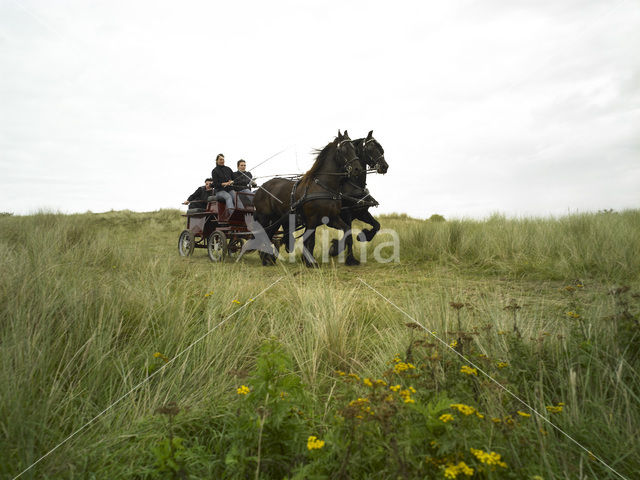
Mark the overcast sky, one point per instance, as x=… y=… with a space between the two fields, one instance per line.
x=522 y=108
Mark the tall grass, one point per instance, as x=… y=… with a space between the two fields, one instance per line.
x=86 y=300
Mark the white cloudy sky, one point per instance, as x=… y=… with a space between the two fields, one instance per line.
x=524 y=108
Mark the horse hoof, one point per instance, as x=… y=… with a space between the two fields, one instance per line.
x=333 y=249
x=351 y=261
x=368 y=234
x=267 y=260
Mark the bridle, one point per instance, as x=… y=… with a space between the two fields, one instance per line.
x=348 y=164
x=376 y=161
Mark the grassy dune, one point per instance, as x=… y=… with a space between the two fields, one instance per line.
x=87 y=300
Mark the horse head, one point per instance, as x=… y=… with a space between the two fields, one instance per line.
x=346 y=156
x=372 y=153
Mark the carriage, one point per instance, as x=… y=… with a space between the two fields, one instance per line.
x=333 y=192
x=212 y=228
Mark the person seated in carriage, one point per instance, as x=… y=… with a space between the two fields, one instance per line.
x=243 y=180
x=223 y=183
x=198 y=199
x=243 y=183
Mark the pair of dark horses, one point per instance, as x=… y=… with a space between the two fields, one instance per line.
x=333 y=192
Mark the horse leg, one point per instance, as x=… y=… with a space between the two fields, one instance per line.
x=273 y=224
x=347 y=240
x=367 y=234
x=335 y=249
x=309 y=243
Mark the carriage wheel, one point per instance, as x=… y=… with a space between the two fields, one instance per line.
x=186 y=243
x=217 y=246
x=235 y=246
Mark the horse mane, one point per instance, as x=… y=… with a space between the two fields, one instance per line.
x=322 y=155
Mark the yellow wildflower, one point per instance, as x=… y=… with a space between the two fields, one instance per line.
x=552 y=409
x=403 y=367
x=161 y=356
x=381 y=382
x=446 y=417
x=353 y=375
x=524 y=414
x=502 y=364
x=206 y=295
x=412 y=390
x=490 y=458
x=468 y=370
x=464 y=409
x=314 y=444
x=496 y=420
x=243 y=390
x=358 y=402
x=237 y=302
x=340 y=372
x=454 y=344
x=452 y=471
x=367 y=382
x=573 y=314
x=395 y=388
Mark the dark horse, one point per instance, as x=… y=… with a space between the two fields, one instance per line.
x=355 y=196
x=313 y=200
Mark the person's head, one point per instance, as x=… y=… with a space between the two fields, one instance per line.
x=207 y=183
x=220 y=159
x=242 y=165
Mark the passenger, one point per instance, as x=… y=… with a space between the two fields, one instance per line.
x=223 y=183
x=198 y=199
x=243 y=180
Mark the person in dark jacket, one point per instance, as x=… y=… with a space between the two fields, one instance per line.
x=243 y=180
x=198 y=199
x=223 y=183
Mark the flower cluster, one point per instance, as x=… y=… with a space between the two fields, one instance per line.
x=502 y=364
x=237 y=302
x=446 y=417
x=403 y=367
x=490 y=458
x=362 y=406
x=406 y=395
x=468 y=370
x=314 y=444
x=466 y=409
x=555 y=408
x=452 y=471
x=207 y=295
x=243 y=390
x=161 y=356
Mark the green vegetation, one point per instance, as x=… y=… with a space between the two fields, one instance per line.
x=319 y=376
